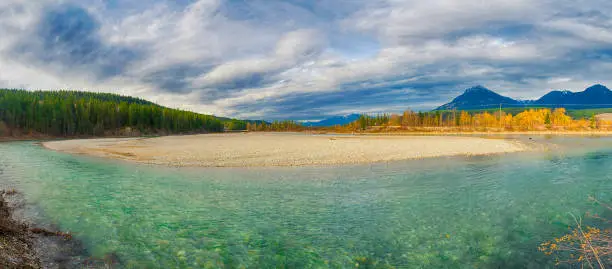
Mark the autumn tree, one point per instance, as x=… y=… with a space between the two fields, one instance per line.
x=465 y=119
x=559 y=118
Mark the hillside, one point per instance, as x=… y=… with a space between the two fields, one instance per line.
x=110 y=97
x=72 y=113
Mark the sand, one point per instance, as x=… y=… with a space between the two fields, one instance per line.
x=274 y=149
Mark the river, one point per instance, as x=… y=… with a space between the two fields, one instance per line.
x=455 y=212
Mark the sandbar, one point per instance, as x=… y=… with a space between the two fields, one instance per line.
x=281 y=149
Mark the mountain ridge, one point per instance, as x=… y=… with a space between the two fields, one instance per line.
x=480 y=97
x=476 y=97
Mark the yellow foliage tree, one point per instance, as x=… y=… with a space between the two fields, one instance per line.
x=485 y=120
x=465 y=119
x=507 y=120
x=531 y=118
x=559 y=118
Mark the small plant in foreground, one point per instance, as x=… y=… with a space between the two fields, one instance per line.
x=588 y=246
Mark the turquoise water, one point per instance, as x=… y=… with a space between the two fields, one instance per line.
x=460 y=212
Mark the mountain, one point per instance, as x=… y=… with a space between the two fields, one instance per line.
x=479 y=97
x=476 y=98
x=594 y=96
x=333 y=121
x=554 y=97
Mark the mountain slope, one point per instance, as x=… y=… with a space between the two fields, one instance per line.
x=594 y=96
x=476 y=98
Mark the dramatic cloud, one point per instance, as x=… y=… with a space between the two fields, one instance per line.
x=302 y=59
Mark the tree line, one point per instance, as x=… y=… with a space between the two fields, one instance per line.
x=531 y=119
x=73 y=113
x=275 y=126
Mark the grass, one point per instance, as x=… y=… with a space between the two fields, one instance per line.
x=587 y=113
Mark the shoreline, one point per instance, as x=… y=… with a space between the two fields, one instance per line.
x=324 y=132
x=28 y=245
x=16 y=241
x=434 y=133
x=283 y=149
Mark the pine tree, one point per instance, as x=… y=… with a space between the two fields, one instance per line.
x=71 y=113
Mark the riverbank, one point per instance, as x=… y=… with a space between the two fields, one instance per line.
x=484 y=133
x=23 y=245
x=282 y=149
x=418 y=132
x=442 y=131
x=16 y=244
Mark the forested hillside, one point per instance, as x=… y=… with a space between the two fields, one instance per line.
x=71 y=113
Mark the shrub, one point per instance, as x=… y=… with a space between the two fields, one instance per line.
x=588 y=246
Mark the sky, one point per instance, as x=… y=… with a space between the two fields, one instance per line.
x=305 y=59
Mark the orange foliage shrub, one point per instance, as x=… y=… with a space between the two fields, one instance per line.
x=588 y=246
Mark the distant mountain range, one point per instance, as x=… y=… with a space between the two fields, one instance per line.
x=333 y=121
x=479 y=97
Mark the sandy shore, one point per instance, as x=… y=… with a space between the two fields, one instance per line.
x=273 y=149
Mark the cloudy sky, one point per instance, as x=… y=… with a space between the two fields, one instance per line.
x=305 y=59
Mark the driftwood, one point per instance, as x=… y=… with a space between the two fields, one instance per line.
x=46 y=232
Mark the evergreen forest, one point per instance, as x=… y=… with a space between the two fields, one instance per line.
x=74 y=113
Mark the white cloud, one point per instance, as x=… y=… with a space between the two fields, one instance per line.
x=583 y=30
x=398 y=22
x=292 y=49
x=285 y=49
x=301 y=44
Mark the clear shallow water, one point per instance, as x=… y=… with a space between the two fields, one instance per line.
x=479 y=212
